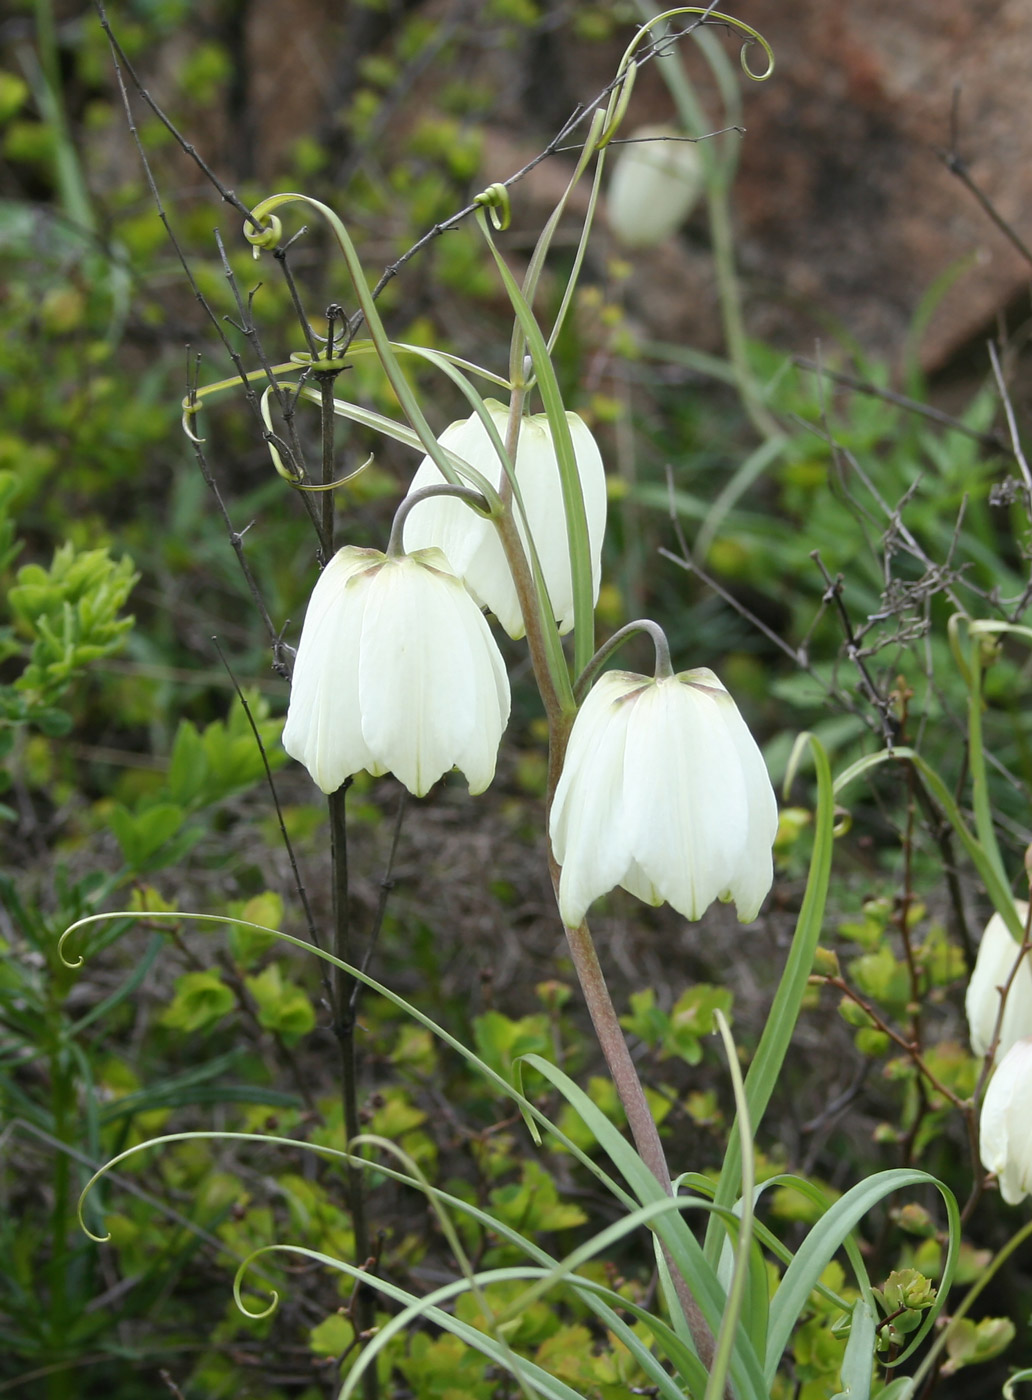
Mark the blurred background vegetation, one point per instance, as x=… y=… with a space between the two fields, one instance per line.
x=814 y=568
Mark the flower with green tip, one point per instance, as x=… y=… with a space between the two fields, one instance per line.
x=664 y=792
x=396 y=672
x=1005 y=1125
x=997 y=955
x=470 y=542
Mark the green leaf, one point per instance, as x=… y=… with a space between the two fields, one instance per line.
x=502 y=1040
x=142 y=834
x=247 y=943
x=187 y=766
x=968 y=1343
x=200 y=1001
x=71 y=615
x=283 y=1007
x=784 y=1013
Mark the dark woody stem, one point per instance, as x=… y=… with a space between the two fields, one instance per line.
x=395 y=548
x=664 y=667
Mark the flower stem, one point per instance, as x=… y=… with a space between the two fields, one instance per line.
x=344 y=1031
x=343 y=985
x=632 y=1096
x=664 y=667
x=395 y=547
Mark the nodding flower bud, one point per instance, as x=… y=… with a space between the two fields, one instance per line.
x=656 y=182
x=663 y=791
x=471 y=543
x=1005 y=1125
x=997 y=955
x=397 y=671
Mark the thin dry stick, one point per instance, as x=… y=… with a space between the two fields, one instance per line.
x=582 y=113
x=299 y=884
x=957 y=166
x=993 y=441
x=1012 y=425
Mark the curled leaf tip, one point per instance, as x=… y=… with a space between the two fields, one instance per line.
x=319 y=363
x=744 y=59
x=495 y=199
x=190 y=410
x=264 y=1312
x=267 y=234
x=330 y=485
x=75 y=962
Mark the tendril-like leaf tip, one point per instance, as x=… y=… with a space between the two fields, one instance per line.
x=265 y=1312
x=72 y=963
x=267 y=236
x=495 y=199
x=332 y=485
x=744 y=59
x=190 y=410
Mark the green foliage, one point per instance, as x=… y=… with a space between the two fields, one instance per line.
x=165 y=1027
x=200 y=1002
x=679 y=1031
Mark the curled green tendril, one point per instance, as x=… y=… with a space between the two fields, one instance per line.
x=191 y=408
x=495 y=199
x=72 y=963
x=238 y=1283
x=267 y=236
x=340 y=481
x=319 y=363
x=752 y=36
x=277 y=460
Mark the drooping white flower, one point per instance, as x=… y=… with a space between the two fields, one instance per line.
x=1005 y=1125
x=997 y=954
x=396 y=672
x=663 y=791
x=471 y=543
x=654 y=186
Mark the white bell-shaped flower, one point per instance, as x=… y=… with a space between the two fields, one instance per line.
x=655 y=184
x=997 y=954
x=1005 y=1125
x=663 y=791
x=396 y=672
x=471 y=544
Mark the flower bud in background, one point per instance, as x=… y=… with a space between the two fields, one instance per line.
x=471 y=544
x=396 y=672
x=663 y=791
x=997 y=954
x=654 y=187
x=1005 y=1126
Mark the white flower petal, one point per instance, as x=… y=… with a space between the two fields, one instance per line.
x=688 y=809
x=664 y=792
x=537 y=471
x=754 y=873
x=471 y=543
x=1005 y=1124
x=323 y=727
x=997 y=954
x=397 y=671
x=587 y=828
x=467 y=540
